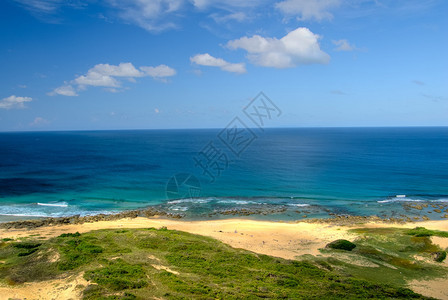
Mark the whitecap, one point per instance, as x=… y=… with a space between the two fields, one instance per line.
x=178 y=208
x=298 y=204
x=400 y=200
x=23 y=215
x=238 y=202
x=61 y=204
x=197 y=201
x=404 y=198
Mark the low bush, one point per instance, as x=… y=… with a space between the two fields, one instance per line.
x=341 y=245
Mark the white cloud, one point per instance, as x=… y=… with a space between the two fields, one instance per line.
x=204 y=4
x=97 y=79
x=39 y=121
x=298 y=47
x=160 y=71
x=14 y=102
x=343 y=45
x=108 y=76
x=237 y=16
x=103 y=75
x=151 y=15
x=122 y=70
x=65 y=90
x=148 y=14
x=42 y=6
x=210 y=61
x=50 y=11
x=308 y=9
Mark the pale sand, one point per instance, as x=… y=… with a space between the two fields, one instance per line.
x=286 y=240
x=58 y=289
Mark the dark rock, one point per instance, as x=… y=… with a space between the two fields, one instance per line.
x=77 y=219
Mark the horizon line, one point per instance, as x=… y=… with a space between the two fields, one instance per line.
x=220 y=128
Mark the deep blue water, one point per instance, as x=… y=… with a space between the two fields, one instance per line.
x=314 y=170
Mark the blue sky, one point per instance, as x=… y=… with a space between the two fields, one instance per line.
x=144 y=64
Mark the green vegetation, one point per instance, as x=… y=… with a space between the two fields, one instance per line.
x=77 y=252
x=421 y=231
x=26 y=245
x=29 y=248
x=151 y=263
x=76 y=234
x=118 y=275
x=342 y=245
x=388 y=255
x=440 y=256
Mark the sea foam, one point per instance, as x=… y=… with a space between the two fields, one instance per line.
x=61 y=204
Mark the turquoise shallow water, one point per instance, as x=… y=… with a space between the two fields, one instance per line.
x=278 y=173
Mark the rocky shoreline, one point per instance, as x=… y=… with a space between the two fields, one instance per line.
x=352 y=220
x=30 y=224
x=415 y=212
x=152 y=212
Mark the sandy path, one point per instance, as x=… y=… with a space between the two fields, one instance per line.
x=58 y=289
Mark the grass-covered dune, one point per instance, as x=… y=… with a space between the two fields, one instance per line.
x=168 y=264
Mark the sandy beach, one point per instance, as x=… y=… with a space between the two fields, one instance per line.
x=280 y=239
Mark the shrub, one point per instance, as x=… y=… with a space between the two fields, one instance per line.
x=26 y=245
x=341 y=245
x=76 y=234
x=439 y=256
x=28 y=252
x=422 y=231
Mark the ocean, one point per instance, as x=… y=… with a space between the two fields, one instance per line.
x=276 y=174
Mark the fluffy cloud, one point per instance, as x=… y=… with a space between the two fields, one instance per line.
x=122 y=70
x=108 y=76
x=96 y=79
x=159 y=72
x=298 y=47
x=343 y=45
x=103 y=75
x=14 y=102
x=65 y=90
x=210 y=61
x=308 y=9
